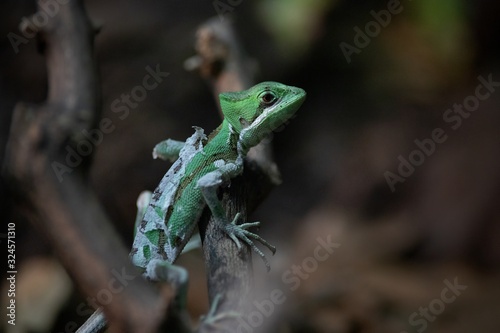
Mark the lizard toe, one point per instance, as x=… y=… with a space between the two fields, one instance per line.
x=212 y=319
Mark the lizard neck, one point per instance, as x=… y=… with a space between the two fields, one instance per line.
x=224 y=138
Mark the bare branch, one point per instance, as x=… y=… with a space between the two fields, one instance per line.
x=222 y=62
x=65 y=208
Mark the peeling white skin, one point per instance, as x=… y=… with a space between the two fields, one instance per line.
x=259 y=119
x=231 y=131
x=170 y=143
x=210 y=179
x=219 y=163
x=243 y=146
x=169 y=184
x=225 y=171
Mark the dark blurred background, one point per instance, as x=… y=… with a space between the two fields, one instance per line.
x=399 y=243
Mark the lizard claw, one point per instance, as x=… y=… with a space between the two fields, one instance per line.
x=238 y=231
x=211 y=318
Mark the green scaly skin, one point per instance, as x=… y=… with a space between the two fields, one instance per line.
x=202 y=165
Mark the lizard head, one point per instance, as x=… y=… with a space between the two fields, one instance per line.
x=256 y=112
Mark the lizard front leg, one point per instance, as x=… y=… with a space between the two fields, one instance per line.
x=208 y=186
x=168 y=150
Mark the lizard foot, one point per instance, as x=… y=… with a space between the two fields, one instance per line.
x=236 y=231
x=211 y=319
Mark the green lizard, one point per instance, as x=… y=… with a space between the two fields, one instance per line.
x=202 y=165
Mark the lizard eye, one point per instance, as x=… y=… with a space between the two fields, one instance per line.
x=267 y=98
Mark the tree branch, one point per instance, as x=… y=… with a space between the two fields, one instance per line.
x=55 y=188
x=223 y=64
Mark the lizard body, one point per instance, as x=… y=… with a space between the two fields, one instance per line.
x=203 y=165
x=167 y=219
